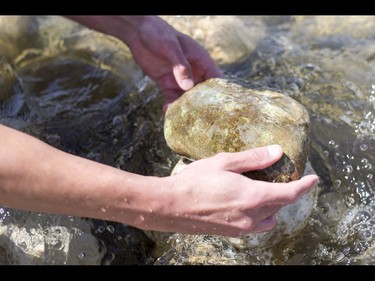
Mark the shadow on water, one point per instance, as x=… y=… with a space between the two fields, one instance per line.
x=81 y=92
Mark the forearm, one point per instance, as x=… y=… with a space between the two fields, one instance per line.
x=122 y=27
x=37 y=177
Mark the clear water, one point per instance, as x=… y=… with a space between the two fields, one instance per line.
x=80 y=91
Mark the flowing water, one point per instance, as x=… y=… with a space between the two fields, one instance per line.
x=81 y=92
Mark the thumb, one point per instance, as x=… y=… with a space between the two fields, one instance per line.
x=183 y=76
x=253 y=159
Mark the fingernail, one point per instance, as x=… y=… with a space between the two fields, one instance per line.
x=274 y=150
x=187 y=84
x=316 y=181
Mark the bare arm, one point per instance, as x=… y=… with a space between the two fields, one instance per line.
x=209 y=196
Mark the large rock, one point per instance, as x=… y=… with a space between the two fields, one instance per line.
x=221 y=115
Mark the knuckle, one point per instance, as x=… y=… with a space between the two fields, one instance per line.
x=257 y=154
x=223 y=156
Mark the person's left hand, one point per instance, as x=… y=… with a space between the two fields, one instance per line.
x=175 y=61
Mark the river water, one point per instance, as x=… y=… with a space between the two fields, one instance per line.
x=80 y=91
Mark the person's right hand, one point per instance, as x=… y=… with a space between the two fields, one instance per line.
x=210 y=196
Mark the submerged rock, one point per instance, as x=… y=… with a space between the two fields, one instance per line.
x=221 y=115
x=29 y=238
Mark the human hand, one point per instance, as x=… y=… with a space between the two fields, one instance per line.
x=210 y=196
x=175 y=61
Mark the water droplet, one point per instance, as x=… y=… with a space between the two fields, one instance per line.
x=331 y=142
x=196 y=200
x=81 y=255
x=363 y=147
x=364 y=235
x=339 y=256
x=150 y=210
x=368 y=166
x=101 y=229
x=337 y=183
x=369 y=176
x=348 y=169
x=142 y=218
x=102 y=209
x=194 y=226
x=110 y=228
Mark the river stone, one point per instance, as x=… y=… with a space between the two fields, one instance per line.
x=221 y=115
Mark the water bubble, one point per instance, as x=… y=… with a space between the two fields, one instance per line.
x=101 y=229
x=361 y=217
x=364 y=235
x=360 y=247
x=369 y=176
x=368 y=166
x=81 y=255
x=346 y=251
x=339 y=256
x=160 y=153
x=326 y=153
x=331 y=142
x=110 y=229
x=363 y=147
x=348 y=169
x=117 y=123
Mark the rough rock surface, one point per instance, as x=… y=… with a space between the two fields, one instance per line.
x=220 y=115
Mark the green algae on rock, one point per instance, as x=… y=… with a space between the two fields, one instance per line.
x=222 y=115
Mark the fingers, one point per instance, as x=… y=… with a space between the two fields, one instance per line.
x=286 y=193
x=253 y=159
x=183 y=76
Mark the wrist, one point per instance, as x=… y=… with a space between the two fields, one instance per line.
x=124 y=28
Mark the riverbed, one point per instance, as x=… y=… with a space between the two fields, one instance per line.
x=81 y=92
